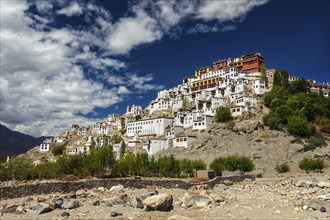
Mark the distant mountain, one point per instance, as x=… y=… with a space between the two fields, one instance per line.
x=14 y=142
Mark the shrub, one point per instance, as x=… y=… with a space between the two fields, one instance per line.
x=232 y=163
x=324 y=124
x=59 y=149
x=272 y=121
x=297 y=140
x=298 y=126
x=308 y=164
x=314 y=142
x=223 y=114
x=282 y=168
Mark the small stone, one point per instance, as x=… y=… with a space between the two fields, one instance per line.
x=305 y=207
x=80 y=192
x=96 y=203
x=115 y=214
x=178 y=217
x=65 y=214
x=323 y=184
x=117 y=189
x=227 y=182
x=20 y=209
x=41 y=199
x=323 y=209
x=283 y=193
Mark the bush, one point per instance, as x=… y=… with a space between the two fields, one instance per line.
x=59 y=149
x=232 y=163
x=298 y=126
x=314 y=142
x=324 y=124
x=272 y=121
x=223 y=114
x=282 y=168
x=309 y=164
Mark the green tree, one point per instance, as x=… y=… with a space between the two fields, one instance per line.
x=137 y=117
x=122 y=149
x=283 y=113
x=20 y=168
x=285 y=79
x=263 y=74
x=277 y=78
x=223 y=114
x=218 y=165
x=299 y=86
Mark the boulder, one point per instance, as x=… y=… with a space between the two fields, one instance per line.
x=43 y=208
x=70 y=204
x=56 y=203
x=162 y=202
x=114 y=200
x=198 y=201
x=136 y=202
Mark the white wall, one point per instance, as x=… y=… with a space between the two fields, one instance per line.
x=155 y=126
x=183 y=141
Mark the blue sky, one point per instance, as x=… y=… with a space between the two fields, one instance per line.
x=65 y=62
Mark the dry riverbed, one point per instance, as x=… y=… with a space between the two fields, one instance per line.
x=265 y=198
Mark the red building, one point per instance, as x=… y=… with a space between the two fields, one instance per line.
x=251 y=63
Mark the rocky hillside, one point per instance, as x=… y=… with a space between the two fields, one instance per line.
x=248 y=137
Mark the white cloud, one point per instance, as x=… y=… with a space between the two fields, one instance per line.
x=132 y=31
x=73 y=9
x=43 y=6
x=152 y=20
x=226 y=10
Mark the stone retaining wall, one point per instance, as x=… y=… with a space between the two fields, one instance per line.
x=66 y=187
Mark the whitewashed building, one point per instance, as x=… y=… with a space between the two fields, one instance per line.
x=202 y=122
x=148 y=127
x=134 y=110
x=237 y=110
x=44 y=147
x=183 y=141
x=152 y=146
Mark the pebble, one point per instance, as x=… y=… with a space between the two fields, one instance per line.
x=65 y=214
x=115 y=214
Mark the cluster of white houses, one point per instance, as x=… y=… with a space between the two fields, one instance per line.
x=234 y=83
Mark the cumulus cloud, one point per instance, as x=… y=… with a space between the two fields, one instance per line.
x=43 y=88
x=151 y=20
x=73 y=9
